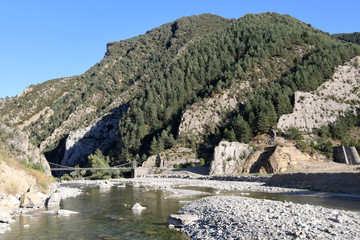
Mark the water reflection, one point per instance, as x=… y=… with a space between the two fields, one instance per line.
x=104 y=215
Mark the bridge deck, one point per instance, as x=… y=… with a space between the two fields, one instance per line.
x=73 y=168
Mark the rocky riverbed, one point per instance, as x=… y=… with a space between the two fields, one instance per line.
x=235 y=217
x=229 y=217
x=12 y=206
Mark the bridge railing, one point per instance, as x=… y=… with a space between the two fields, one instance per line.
x=125 y=166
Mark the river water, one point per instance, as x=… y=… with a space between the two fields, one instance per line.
x=108 y=214
x=103 y=215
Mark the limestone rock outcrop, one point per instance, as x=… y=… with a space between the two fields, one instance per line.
x=176 y=156
x=100 y=135
x=323 y=106
x=19 y=147
x=229 y=158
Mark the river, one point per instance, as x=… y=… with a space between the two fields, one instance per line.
x=108 y=214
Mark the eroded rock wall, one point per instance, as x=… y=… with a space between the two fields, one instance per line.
x=100 y=135
x=230 y=158
x=17 y=144
x=323 y=106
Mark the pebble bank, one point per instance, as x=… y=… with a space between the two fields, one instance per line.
x=229 y=217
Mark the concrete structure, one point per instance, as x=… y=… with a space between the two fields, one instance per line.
x=347 y=155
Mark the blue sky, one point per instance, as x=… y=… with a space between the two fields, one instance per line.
x=43 y=40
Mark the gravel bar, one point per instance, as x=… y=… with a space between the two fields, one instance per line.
x=229 y=217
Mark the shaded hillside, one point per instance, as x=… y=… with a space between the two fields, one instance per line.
x=348 y=37
x=131 y=104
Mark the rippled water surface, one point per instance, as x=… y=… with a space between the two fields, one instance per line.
x=103 y=215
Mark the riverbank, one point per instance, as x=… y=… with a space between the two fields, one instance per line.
x=237 y=217
x=241 y=217
x=230 y=217
x=326 y=182
x=10 y=204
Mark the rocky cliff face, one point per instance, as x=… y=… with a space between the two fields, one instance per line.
x=230 y=158
x=233 y=158
x=332 y=99
x=17 y=144
x=208 y=113
x=100 y=135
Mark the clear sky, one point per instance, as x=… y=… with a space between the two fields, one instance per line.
x=42 y=40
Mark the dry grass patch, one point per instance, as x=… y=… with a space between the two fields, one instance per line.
x=41 y=179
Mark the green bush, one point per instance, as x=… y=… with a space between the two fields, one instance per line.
x=202 y=162
x=65 y=177
x=294 y=134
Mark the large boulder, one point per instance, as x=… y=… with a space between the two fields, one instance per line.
x=30 y=199
x=230 y=158
x=105 y=185
x=137 y=206
x=5 y=214
x=54 y=199
x=9 y=201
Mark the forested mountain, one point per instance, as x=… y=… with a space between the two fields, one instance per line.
x=348 y=37
x=131 y=104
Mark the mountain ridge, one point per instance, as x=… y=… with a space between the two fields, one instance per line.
x=156 y=77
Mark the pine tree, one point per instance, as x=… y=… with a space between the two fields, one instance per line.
x=154 y=147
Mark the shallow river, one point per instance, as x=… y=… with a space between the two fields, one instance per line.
x=108 y=214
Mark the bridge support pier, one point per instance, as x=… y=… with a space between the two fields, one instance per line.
x=134 y=169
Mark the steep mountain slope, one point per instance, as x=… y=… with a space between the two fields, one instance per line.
x=197 y=80
x=51 y=111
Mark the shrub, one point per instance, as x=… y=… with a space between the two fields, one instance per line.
x=65 y=177
x=202 y=162
x=294 y=134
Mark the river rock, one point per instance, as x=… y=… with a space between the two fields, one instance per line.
x=67 y=192
x=30 y=199
x=105 y=185
x=5 y=214
x=65 y=213
x=42 y=196
x=180 y=220
x=137 y=206
x=4 y=227
x=135 y=185
x=9 y=201
x=54 y=199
